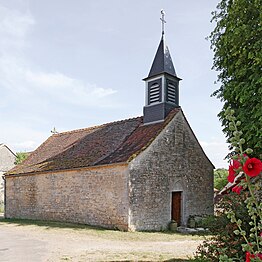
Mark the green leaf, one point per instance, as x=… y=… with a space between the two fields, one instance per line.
x=236 y=232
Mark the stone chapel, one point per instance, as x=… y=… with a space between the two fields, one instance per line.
x=134 y=174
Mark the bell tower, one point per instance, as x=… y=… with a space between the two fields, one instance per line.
x=162 y=84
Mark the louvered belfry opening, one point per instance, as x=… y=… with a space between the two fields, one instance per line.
x=172 y=91
x=162 y=86
x=154 y=91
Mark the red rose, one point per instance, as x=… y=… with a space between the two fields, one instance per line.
x=235 y=164
x=252 y=167
x=237 y=189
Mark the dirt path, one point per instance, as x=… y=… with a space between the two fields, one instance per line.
x=26 y=243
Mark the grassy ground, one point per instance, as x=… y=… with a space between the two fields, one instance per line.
x=109 y=234
x=110 y=245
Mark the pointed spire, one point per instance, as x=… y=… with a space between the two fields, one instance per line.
x=162 y=62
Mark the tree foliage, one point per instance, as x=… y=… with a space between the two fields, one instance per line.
x=237 y=45
x=20 y=157
x=220 y=178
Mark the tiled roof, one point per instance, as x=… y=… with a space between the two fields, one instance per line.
x=110 y=143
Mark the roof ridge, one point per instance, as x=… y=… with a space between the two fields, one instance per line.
x=96 y=126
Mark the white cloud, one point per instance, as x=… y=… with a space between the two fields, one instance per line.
x=14 y=23
x=21 y=138
x=26 y=145
x=56 y=80
x=13 y=28
x=32 y=97
x=68 y=89
x=19 y=76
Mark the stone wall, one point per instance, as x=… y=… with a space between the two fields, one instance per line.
x=7 y=161
x=94 y=196
x=173 y=162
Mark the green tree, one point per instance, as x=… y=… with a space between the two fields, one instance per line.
x=237 y=45
x=20 y=157
x=220 y=178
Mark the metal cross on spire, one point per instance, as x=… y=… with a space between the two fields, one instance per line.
x=163 y=21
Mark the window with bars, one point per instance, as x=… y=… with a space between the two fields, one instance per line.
x=154 y=91
x=171 y=92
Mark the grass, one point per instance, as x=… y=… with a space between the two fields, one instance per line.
x=137 y=256
x=166 y=236
x=43 y=223
x=131 y=256
x=102 y=234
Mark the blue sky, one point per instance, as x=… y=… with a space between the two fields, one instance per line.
x=74 y=64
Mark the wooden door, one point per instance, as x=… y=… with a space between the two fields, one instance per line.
x=176 y=207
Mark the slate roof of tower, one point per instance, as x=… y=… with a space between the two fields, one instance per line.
x=110 y=143
x=162 y=62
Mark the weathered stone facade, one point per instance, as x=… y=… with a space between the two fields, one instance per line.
x=173 y=162
x=7 y=161
x=94 y=196
x=135 y=195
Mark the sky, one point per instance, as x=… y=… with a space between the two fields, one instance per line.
x=75 y=64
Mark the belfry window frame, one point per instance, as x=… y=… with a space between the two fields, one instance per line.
x=161 y=91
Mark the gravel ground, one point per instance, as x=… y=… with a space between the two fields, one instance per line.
x=26 y=243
